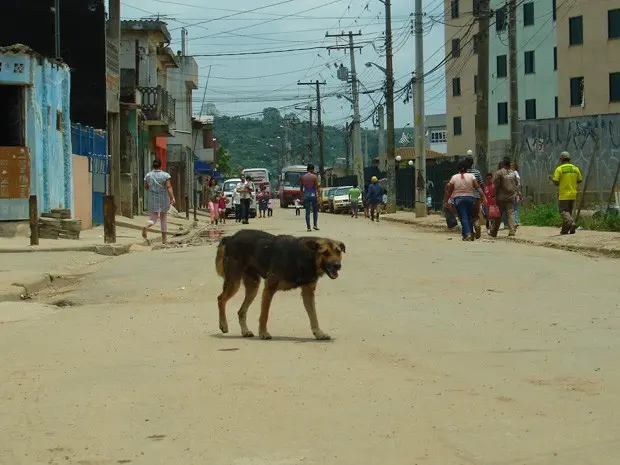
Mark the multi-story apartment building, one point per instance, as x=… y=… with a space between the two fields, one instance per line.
x=588 y=57
x=567 y=64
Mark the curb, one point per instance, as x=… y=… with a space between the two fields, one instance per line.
x=17 y=291
x=585 y=249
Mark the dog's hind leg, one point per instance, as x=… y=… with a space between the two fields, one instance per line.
x=307 y=294
x=268 y=293
x=251 y=283
x=231 y=286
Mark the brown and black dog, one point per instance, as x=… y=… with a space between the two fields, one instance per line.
x=284 y=262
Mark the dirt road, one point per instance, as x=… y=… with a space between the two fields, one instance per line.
x=444 y=353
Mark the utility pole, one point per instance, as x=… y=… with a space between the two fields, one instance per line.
x=357 y=135
x=319 y=128
x=382 y=154
x=310 y=134
x=346 y=147
x=514 y=89
x=419 y=119
x=389 y=101
x=482 y=101
x=57 y=29
x=287 y=144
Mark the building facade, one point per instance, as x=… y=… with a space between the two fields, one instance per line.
x=148 y=110
x=35 y=140
x=588 y=41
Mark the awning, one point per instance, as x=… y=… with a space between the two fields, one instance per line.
x=202 y=167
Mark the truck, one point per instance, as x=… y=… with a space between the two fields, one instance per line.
x=259 y=176
x=290 y=179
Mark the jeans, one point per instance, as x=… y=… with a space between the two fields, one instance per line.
x=311 y=202
x=464 y=207
x=516 y=214
x=245 y=210
x=237 y=212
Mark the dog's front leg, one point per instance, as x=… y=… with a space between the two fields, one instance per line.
x=307 y=294
x=268 y=294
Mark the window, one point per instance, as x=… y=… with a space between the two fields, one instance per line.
x=528 y=14
x=500 y=19
x=575 y=30
x=614 y=87
x=502 y=66
x=530 y=62
x=456 y=87
x=456 y=48
x=456 y=123
x=476 y=43
x=455 y=8
x=613 y=24
x=438 y=136
x=530 y=108
x=554 y=8
x=475 y=83
x=556 y=109
x=576 y=91
x=502 y=113
x=555 y=58
x=58 y=121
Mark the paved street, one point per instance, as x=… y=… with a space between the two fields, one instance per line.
x=443 y=353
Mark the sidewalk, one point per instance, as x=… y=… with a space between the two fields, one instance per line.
x=23 y=271
x=592 y=242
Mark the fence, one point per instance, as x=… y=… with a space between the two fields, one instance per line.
x=438 y=174
x=92 y=143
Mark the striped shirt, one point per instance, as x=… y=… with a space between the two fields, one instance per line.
x=478 y=177
x=159 y=200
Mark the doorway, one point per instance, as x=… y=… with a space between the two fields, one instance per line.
x=13 y=132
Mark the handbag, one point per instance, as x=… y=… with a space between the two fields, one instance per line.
x=494 y=211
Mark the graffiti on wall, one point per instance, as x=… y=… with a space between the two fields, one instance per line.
x=543 y=141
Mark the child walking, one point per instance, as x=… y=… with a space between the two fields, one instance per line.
x=222 y=208
x=270 y=208
x=297 y=207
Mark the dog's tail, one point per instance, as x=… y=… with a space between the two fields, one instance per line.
x=219 y=257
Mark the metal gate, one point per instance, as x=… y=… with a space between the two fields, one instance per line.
x=92 y=143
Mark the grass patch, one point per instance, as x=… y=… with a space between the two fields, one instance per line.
x=545 y=214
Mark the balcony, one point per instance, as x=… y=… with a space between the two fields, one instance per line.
x=158 y=107
x=190 y=70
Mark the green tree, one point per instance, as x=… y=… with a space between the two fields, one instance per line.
x=223 y=160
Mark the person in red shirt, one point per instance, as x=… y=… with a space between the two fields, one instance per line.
x=489 y=192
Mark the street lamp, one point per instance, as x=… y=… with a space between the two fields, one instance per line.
x=410 y=162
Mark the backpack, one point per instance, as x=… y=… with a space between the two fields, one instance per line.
x=506 y=181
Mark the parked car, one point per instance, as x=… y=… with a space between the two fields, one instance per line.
x=339 y=200
x=228 y=187
x=324 y=204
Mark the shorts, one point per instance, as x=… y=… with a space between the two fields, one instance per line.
x=355 y=206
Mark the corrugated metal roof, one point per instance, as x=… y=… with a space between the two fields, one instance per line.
x=146 y=25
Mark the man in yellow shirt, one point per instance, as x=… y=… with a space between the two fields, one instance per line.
x=567 y=176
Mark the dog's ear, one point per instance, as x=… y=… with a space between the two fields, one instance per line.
x=343 y=249
x=312 y=244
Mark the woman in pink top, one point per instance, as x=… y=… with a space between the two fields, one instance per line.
x=461 y=191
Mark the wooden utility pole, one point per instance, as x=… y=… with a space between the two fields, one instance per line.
x=34 y=220
x=310 y=133
x=514 y=88
x=318 y=85
x=482 y=101
x=357 y=134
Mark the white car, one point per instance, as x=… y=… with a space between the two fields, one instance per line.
x=229 y=187
x=340 y=200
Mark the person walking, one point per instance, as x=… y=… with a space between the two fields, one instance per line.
x=506 y=189
x=375 y=197
x=213 y=196
x=309 y=184
x=246 y=189
x=270 y=207
x=475 y=215
x=354 y=200
x=221 y=207
x=566 y=177
x=515 y=167
x=460 y=190
x=236 y=196
x=263 y=200
x=160 y=197
x=490 y=210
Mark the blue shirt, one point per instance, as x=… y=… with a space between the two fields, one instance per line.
x=375 y=193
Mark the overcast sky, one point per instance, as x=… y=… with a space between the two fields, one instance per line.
x=241 y=85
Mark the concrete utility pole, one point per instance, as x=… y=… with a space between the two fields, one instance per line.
x=514 y=89
x=287 y=143
x=382 y=154
x=357 y=135
x=310 y=134
x=319 y=128
x=57 y=29
x=482 y=102
x=347 y=149
x=113 y=35
x=389 y=101
x=419 y=119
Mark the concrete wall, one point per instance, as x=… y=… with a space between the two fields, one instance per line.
x=542 y=142
x=82 y=191
x=148 y=58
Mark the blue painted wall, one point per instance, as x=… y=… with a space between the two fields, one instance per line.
x=47 y=94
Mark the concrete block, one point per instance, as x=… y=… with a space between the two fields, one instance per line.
x=112 y=250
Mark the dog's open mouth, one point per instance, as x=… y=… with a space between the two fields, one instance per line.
x=332 y=270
